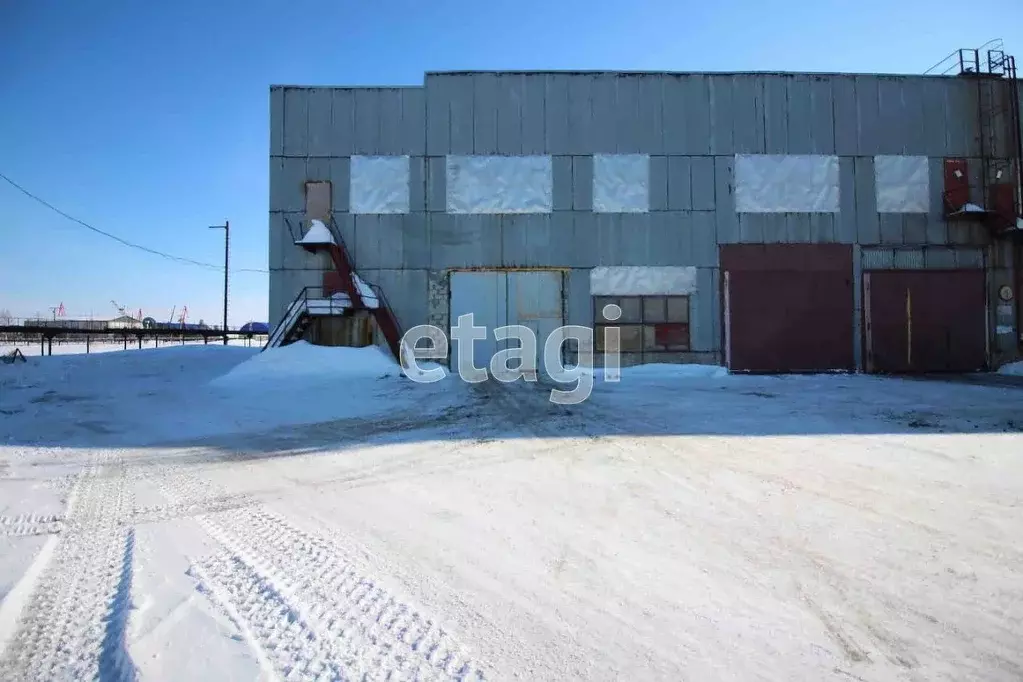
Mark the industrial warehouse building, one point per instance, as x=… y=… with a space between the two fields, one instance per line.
x=764 y=221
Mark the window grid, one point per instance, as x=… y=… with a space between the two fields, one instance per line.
x=646 y=324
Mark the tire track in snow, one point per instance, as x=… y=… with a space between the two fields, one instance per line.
x=31 y=524
x=73 y=625
x=307 y=612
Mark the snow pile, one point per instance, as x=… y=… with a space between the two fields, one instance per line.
x=369 y=297
x=674 y=371
x=971 y=208
x=317 y=234
x=1014 y=369
x=654 y=370
x=303 y=361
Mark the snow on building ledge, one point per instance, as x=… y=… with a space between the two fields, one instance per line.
x=317 y=234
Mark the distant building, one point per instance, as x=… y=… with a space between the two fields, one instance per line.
x=124 y=322
x=62 y=323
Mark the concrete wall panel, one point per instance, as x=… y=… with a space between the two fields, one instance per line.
x=629 y=135
x=800 y=115
x=558 y=109
x=846 y=116
x=776 y=115
x=726 y=221
x=484 y=113
x=392 y=132
x=650 y=115
x=436 y=184
x=580 y=126
x=417 y=184
x=533 y=108
x=561 y=168
x=341 y=141
x=320 y=126
x=721 y=115
x=868 y=116
x=698 y=133
x=510 y=93
x=705 y=247
x=579 y=303
x=680 y=188
x=748 y=130
x=526 y=240
x=658 y=186
x=582 y=183
x=413 y=122
x=438 y=114
x=603 y=134
x=296 y=121
x=822 y=115
x=460 y=241
x=406 y=292
x=276 y=121
x=703 y=182
x=868 y=226
x=367 y=122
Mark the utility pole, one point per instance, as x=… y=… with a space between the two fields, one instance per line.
x=226 y=227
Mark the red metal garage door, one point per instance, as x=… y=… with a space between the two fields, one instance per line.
x=924 y=320
x=788 y=307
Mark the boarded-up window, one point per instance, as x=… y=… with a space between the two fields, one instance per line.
x=645 y=323
x=379 y=184
x=621 y=183
x=317 y=201
x=766 y=183
x=642 y=280
x=901 y=184
x=499 y=184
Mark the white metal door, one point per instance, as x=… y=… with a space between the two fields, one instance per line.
x=484 y=296
x=535 y=301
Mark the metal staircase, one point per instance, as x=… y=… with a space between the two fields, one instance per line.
x=343 y=293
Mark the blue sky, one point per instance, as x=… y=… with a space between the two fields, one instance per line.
x=150 y=120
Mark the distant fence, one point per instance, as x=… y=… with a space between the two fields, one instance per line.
x=44 y=333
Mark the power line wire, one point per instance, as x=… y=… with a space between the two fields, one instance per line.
x=86 y=225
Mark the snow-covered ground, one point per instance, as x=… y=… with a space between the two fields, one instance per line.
x=307 y=514
x=1012 y=369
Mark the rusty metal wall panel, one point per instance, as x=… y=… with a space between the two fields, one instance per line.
x=925 y=321
x=809 y=257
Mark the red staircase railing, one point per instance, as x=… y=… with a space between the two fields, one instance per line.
x=386 y=321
